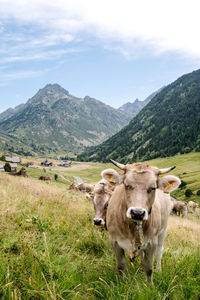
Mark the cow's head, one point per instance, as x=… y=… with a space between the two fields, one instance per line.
x=73 y=186
x=140 y=183
x=102 y=193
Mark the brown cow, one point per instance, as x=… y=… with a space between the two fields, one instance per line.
x=73 y=186
x=102 y=193
x=179 y=207
x=45 y=178
x=141 y=203
x=193 y=205
x=21 y=172
x=85 y=187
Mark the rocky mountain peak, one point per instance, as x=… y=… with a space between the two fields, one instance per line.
x=48 y=95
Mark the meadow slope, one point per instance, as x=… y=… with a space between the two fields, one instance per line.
x=50 y=250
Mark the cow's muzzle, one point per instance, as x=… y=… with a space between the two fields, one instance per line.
x=98 y=221
x=137 y=213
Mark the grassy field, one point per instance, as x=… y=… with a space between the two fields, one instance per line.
x=49 y=248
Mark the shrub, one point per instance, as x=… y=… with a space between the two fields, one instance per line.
x=198 y=193
x=183 y=184
x=7 y=167
x=188 y=193
x=55 y=177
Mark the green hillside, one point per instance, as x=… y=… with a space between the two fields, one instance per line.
x=169 y=124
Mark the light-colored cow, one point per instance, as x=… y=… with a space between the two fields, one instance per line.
x=84 y=187
x=192 y=206
x=143 y=197
x=102 y=193
x=179 y=207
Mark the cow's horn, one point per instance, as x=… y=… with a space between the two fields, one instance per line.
x=120 y=166
x=163 y=171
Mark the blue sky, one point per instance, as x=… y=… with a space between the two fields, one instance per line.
x=114 y=51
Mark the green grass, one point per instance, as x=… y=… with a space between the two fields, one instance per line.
x=49 y=248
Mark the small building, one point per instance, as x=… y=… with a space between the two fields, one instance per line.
x=46 y=163
x=65 y=164
x=15 y=160
x=33 y=166
x=2 y=167
x=7 y=154
x=13 y=167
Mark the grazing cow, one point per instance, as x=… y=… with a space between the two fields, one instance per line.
x=21 y=172
x=84 y=187
x=45 y=178
x=139 y=209
x=102 y=193
x=73 y=186
x=179 y=207
x=193 y=205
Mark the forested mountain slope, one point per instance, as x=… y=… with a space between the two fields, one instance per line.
x=169 y=124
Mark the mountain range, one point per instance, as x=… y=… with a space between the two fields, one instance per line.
x=167 y=125
x=54 y=121
x=133 y=108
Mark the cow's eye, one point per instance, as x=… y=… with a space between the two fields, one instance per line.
x=105 y=205
x=128 y=187
x=151 y=189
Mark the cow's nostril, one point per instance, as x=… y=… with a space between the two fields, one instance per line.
x=137 y=214
x=97 y=222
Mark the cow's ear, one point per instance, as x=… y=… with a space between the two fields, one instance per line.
x=168 y=183
x=111 y=176
x=89 y=196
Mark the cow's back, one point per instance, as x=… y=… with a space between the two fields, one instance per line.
x=165 y=204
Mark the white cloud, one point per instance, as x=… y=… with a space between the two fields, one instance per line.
x=160 y=26
x=46 y=55
x=20 y=75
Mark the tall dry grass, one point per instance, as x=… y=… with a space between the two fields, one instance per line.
x=49 y=249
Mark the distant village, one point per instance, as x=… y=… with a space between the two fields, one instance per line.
x=14 y=161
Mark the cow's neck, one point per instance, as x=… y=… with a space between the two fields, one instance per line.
x=137 y=239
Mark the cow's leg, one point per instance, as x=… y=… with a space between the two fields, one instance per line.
x=159 y=250
x=148 y=260
x=120 y=257
x=185 y=212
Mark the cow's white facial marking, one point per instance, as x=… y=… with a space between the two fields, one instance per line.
x=137 y=213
